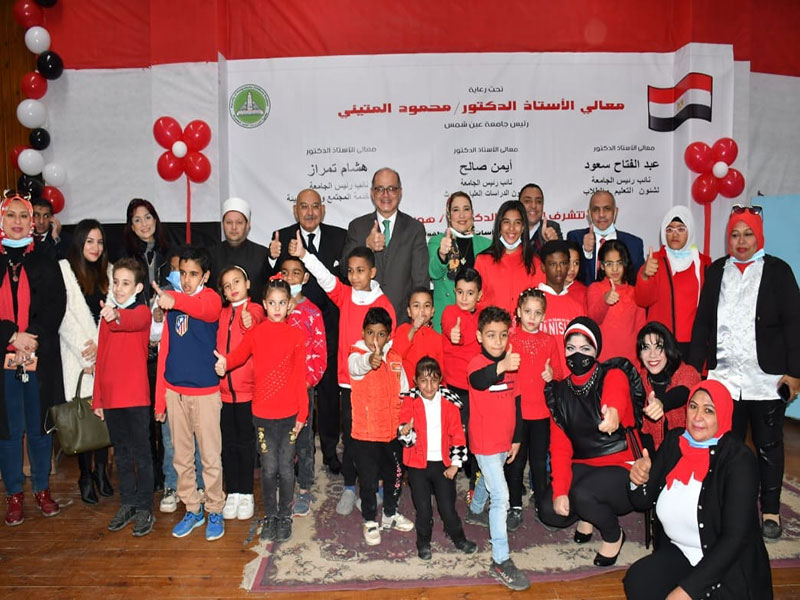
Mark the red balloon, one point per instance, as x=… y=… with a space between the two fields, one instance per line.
x=726 y=150
x=698 y=157
x=704 y=188
x=34 y=86
x=54 y=197
x=14 y=156
x=28 y=14
x=732 y=184
x=167 y=131
x=169 y=166
x=197 y=135
x=198 y=169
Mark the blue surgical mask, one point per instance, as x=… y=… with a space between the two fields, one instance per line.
x=174 y=279
x=295 y=289
x=21 y=243
x=604 y=232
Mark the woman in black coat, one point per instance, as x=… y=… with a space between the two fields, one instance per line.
x=703 y=482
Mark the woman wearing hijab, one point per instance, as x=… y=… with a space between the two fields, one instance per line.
x=594 y=413
x=669 y=282
x=32 y=301
x=747 y=334
x=703 y=482
x=451 y=251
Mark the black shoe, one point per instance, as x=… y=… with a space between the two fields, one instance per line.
x=86 y=486
x=103 y=484
x=124 y=515
x=143 y=522
x=509 y=575
x=514 y=519
x=545 y=525
x=424 y=552
x=481 y=518
x=607 y=561
x=333 y=464
x=771 y=529
x=269 y=528
x=581 y=538
x=284 y=529
x=465 y=546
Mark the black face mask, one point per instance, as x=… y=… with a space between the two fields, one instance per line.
x=580 y=363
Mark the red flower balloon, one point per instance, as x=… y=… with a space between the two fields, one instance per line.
x=726 y=150
x=198 y=169
x=54 y=197
x=699 y=157
x=704 y=188
x=732 y=184
x=167 y=131
x=28 y=14
x=34 y=86
x=169 y=166
x=197 y=135
x=14 y=155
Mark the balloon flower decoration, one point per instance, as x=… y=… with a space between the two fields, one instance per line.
x=183 y=156
x=716 y=176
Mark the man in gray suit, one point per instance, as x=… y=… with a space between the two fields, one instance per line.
x=398 y=241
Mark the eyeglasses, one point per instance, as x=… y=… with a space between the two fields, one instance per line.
x=380 y=189
x=682 y=229
x=612 y=263
x=738 y=209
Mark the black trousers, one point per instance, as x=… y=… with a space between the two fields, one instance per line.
x=328 y=409
x=655 y=576
x=765 y=418
x=597 y=495
x=129 y=430
x=534 y=447
x=277 y=453
x=238 y=441
x=156 y=441
x=471 y=466
x=374 y=461
x=348 y=461
x=429 y=480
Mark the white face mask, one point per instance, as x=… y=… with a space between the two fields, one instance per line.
x=604 y=232
x=510 y=246
x=131 y=299
x=295 y=289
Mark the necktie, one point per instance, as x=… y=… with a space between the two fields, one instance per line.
x=311 y=247
x=386 y=233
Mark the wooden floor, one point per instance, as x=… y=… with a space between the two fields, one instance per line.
x=74 y=556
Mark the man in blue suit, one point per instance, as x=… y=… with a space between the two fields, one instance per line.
x=602 y=214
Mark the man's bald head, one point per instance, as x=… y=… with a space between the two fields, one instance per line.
x=309 y=209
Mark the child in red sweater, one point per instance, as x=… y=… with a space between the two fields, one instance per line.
x=123 y=402
x=280 y=402
x=239 y=315
x=434 y=449
x=575 y=288
x=307 y=318
x=418 y=338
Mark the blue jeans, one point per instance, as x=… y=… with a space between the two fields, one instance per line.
x=170 y=474
x=492 y=484
x=305 y=448
x=23 y=416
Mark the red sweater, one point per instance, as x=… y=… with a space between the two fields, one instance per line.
x=492 y=409
x=655 y=295
x=237 y=385
x=279 y=362
x=451 y=434
x=577 y=291
x=534 y=350
x=427 y=342
x=616 y=394
x=120 y=379
x=307 y=318
x=620 y=323
x=504 y=280
x=457 y=356
x=561 y=309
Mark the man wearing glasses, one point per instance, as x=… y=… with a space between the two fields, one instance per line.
x=397 y=239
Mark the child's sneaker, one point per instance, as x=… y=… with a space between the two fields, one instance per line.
x=481 y=518
x=46 y=504
x=231 y=508
x=125 y=515
x=514 y=518
x=246 y=507
x=346 y=502
x=302 y=504
x=509 y=575
x=372 y=533
x=284 y=529
x=216 y=527
x=143 y=522
x=169 y=501
x=396 y=521
x=189 y=522
x=269 y=529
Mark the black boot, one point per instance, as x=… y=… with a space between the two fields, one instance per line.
x=86 y=486
x=101 y=481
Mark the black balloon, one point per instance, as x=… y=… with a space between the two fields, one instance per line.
x=50 y=65
x=39 y=138
x=46 y=3
x=30 y=185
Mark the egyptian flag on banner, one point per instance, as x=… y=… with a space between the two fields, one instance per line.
x=667 y=108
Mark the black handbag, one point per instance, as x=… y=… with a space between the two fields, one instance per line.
x=78 y=428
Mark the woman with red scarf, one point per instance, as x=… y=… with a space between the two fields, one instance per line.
x=704 y=485
x=32 y=303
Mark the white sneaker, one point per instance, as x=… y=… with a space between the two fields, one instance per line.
x=372 y=533
x=246 y=507
x=396 y=521
x=169 y=501
x=231 y=506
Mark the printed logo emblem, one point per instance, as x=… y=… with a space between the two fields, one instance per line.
x=181 y=324
x=249 y=106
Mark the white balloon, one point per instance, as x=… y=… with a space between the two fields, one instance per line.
x=720 y=169
x=37 y=39
x=54 y=174
x=179 y=149
x=31 y=113
x=30 y=162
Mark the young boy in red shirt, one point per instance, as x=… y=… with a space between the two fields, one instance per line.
x=418 y=338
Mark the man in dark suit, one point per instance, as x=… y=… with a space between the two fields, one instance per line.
x=539 y=232
x=397 y=239
x=326 y=241
x=602 y=215
x=47 y=229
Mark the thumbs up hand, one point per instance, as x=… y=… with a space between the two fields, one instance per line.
x=108 y=312
x=221 y=366
x=296 y=248
x=547 y=374
x=650 y=266
x=640 y=470
x=510 y=362
x=589 y=241
x=548 y=233
x=610 y=422
x=446 y=244
x=247 y=318
x=406 y=429
x=611 y=296
x=376 y=358
x=455 y=332
x=376 y=241
x=654 y=407
x=275 y=247
x=165 y=301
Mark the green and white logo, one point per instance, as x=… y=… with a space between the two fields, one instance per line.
x=249 y=106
